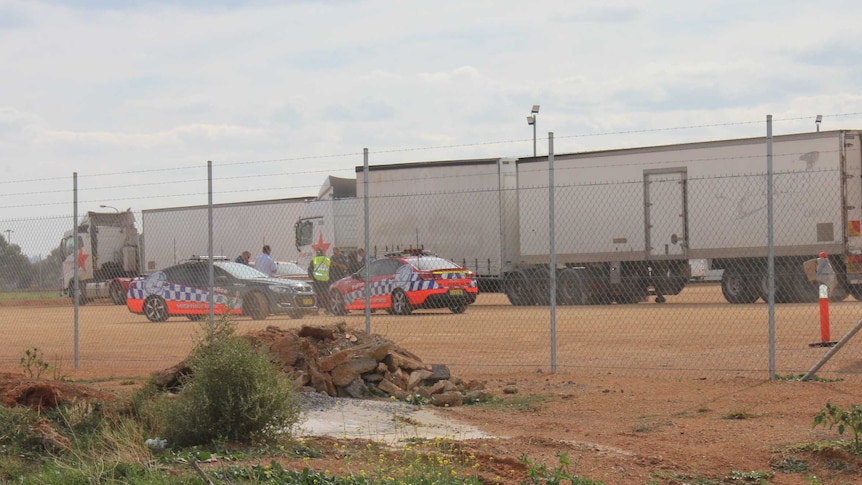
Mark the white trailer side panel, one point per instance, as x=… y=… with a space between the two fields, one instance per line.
x=607 y=202
x=175 y=234
x=452 y=209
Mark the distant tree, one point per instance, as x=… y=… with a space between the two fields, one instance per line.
x=47 y=272
x=15 y=268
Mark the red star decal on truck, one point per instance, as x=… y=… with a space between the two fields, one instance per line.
x=320 y=244
x=82 y=258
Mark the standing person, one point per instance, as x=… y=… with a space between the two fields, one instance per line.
x=357 y=260
x=243 y=258
x=340 y=265
x=318 y=271
x=264 y=263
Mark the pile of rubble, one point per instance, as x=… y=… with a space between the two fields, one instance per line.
x=342 y=362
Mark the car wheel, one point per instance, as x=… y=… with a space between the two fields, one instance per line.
x=257 y=306
x=118 y=296
x=400 y=303
x=155 y=309
x=457 y=308
x=336 y=303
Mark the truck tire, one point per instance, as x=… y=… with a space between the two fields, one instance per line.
x=839 y=293
x=256 y=306
x=737 y=287
x=572 y=288
x=400 y=303
x=517 y=287
x=118 y=296
x=82 y=292
x=156 y=309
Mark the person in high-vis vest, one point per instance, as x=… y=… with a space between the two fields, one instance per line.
x=318 y=271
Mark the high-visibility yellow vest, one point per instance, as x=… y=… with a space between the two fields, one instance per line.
x=321 y=268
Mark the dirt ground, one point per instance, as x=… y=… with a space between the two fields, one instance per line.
x=618 y=427
x=615 y=429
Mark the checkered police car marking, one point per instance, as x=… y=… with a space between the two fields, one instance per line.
x=407 y=280
x=140 y=289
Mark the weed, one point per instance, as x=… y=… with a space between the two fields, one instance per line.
x=560 y=473
x=645 y=427
x=791 y=464
x=514 y=403
x=749 y=477
x=739 y=414
x=33 y=363
x=850 y=418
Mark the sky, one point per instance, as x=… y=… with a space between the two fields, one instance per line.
x=135 y=97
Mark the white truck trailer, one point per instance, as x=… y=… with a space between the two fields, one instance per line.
x=176 y=234
x=628 y=221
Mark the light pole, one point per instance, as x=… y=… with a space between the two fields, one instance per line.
x=110 y=207
x=531 y=120
x=817 y=121
x=8 y=236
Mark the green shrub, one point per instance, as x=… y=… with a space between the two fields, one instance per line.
x=235 y=393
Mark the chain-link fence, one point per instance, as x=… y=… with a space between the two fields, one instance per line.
x=679 y=260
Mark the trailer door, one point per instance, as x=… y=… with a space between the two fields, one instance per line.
x=665 y=216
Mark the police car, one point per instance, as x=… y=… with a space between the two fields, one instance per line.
x=403 y=282
x=183 y=290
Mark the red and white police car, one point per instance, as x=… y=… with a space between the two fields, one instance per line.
x=403 y=282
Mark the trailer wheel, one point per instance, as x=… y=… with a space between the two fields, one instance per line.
x=256 y=305
x=737 y=288
x=517 y=288
x=572 y=289
x=400 y=303
x=118 y=296
x=839 y=293
x=155 y=309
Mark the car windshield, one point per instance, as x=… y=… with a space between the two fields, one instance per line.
x=431 y=263
x=241 y=271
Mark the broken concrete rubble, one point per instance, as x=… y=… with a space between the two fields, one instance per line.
x=344 y=362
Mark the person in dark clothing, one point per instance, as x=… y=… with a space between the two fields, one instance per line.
x=339 y=267
x=243 y=258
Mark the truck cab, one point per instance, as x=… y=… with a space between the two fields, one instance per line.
x=105 y=255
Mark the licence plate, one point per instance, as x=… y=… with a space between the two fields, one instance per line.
x=456 y=292
x=308 y=302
